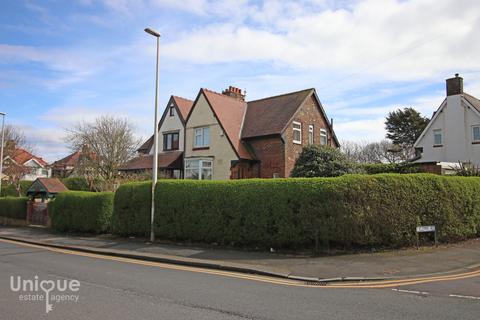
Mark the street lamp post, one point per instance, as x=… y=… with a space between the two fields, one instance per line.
x=155 y=137
x=1 y=149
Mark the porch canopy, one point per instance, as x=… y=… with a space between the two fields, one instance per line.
x=46 y=188
x=168 y=160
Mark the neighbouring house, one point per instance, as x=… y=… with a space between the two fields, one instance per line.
x=229 y=138
x=453 y=134
x=19 y=164
x=73 y=164
x=171 y=129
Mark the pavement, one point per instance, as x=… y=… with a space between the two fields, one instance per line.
x=114 y=288
x=395 y=264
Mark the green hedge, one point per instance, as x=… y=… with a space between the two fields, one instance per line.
x=82 y=211
x=347 y=211
x=132 y=209
x=9 y=190
x=76 y=184
x=376 y=168
x=13 y=207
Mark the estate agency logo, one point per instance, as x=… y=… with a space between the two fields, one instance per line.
x=50 y=291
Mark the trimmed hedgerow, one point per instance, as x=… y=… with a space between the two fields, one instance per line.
x=132 y=209
x=376 y=168
x=13 y=207
x=347 y=211
x=82 y=211
x=76 y=184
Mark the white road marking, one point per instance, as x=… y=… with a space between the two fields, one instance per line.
x=464 y=297
x=410 y=291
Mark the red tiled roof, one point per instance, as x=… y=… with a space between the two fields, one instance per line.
x=184 y=105
x=70 y=160
x=473 y=101
x=21 y=156
x=53 y=185
x=230 y=113
x=271 y=115
x=168 y=160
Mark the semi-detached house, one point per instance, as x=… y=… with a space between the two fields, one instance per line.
x=229 y=138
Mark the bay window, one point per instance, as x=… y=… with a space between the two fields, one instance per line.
x=198 y=169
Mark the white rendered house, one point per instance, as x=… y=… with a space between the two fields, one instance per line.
x=453 y=134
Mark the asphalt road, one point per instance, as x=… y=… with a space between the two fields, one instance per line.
x=112 y=289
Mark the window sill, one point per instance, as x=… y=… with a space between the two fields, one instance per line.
x=297 y=142
x=200 y=148
x=476 y=142
x=438 y=145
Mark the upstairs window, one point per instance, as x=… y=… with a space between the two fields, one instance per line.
x=476 y=133
x=323 y=137
x=297 y=132
x=172 y=111
x=170 y=141
x=202 y=137
x=437 y=137
x=310 y=134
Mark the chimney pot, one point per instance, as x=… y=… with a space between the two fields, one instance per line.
x=454 y=85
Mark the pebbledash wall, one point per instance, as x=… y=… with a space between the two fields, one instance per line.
x=219 y=150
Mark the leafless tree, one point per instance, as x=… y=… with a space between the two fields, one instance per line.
x=374 y=152
x=14 y=136
x=111 y=142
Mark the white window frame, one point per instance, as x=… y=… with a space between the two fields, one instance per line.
x=200 y=132
x=477 y=126
x=311 y=135
x=323 y=135
x=299 y=130
x=201 y=166
x=435 y=132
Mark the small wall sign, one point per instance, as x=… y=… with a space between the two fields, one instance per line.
x=423 y=229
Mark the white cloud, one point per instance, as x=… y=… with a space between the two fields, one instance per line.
x=395 y=40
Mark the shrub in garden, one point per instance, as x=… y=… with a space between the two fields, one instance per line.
x=82 y=211
x=320 y=161
x=376 y=168
x=13 y=207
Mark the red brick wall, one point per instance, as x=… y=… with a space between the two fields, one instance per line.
x=308 y=114
x=270 y=152
x=244 y=170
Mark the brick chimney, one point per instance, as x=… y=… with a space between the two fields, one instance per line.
x=454 y=85
x=234 y=93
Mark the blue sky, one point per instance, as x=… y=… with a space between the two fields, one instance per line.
x=68 y=61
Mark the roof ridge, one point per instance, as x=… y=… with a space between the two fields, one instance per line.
x=281 y=95
x=181 y=98
x=222 y=95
